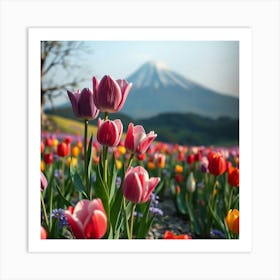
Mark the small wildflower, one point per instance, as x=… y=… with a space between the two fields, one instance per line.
x=60 y=216
x=118 y=182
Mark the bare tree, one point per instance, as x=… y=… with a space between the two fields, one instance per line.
x=58 y=57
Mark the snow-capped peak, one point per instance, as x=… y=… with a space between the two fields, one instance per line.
x=156 y=74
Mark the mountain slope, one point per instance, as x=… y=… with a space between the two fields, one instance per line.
x=156 y=89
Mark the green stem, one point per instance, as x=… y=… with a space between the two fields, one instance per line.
x=132 y=220
x=105 y=164
x=44 y=210
x=126 y=218
x=85 y=159
x=230 y=198
x=130 y=160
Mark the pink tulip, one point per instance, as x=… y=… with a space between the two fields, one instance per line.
x=88 y=219
x=83 y=105
x=109 y=132
x=137 y=140
x=137 y=186
x=43 y=233
x=44 y=182
x=110 y=95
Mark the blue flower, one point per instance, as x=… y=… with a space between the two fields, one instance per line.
x=60 y=216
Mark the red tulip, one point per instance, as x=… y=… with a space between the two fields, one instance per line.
x=137 y=186
x=88 y=220
x=233 y=176
x=42 y=147
x=48 y=158
x=179 y=178
x=190 y=159
x=83 y=105
x=49 y=142
x=217 y=164
x=44 y=234
x=110 y=95
x=170 y=235
x=63 y=149
x=137 y=140
x=109 y=132
x=141 y=157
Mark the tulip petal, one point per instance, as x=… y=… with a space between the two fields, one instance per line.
x=81 y=210
x=145 y=143
x=96 y=225
x=125 y=88
x=129 y=139
x=86 y=106
x=96 y=204
x=75 y=224
x=119 y=126
x=109 y=95
x=151 y=186
x=74 y=102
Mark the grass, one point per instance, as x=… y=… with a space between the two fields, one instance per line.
x=72 y=126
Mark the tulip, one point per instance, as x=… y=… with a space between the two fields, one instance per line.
x=110 y=95
x=63 y=149
x=42 y=147
x=232 y=220
x=137 y=186
x=190 y=158
x=48 y=158
x=170 y=235
x=49 y=142
x=179 y=178
x=75 y=151
x=109 y=132
x=44 y=234
x=137 y=140
x=217 y=164
x=233 y=176
x=44 y=182
x=179 y=168
x=83 y=105
x=190 y=183
x=160 y=160
x=88 y=219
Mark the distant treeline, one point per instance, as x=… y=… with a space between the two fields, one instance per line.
x=187 y=128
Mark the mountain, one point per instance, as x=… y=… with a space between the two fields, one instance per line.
x=157 y=89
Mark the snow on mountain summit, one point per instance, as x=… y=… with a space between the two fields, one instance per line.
x=155 y=74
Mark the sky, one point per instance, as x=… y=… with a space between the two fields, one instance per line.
x=213 y=64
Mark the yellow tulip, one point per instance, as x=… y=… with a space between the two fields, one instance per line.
x=55 y=142
x=122 y=150
x=42 y=166
x=72 y=161
x=118 y=164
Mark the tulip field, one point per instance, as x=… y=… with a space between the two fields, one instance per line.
x=112 y=185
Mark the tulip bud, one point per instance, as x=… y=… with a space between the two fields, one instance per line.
x=191 y=183
x=63 y=149
x=190 y=159
x=109 y=132
x=233 y=176
x=217 y=164
x=48 y=158
x=44 y=234
x=232 y=220
x=44 y=182
x=110 y=95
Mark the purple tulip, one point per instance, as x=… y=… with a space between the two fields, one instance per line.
x=83 y=105
x=110 y=95
x=137 y=186
x=109 y=132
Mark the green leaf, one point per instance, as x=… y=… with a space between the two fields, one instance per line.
x=65 y=201
x=145 y=223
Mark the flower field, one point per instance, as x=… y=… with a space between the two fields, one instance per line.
x=113 y=185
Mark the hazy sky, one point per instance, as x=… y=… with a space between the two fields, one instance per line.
x=214 y=64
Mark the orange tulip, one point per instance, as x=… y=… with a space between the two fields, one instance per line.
x=232 y=220
x=233 y=176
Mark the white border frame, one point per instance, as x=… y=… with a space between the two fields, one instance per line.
x=243 y=35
